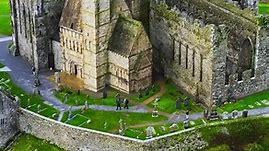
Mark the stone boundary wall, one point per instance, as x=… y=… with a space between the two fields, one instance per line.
x=74 y=138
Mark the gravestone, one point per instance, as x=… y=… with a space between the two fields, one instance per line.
x=65 y=97
x=36 y=91
x=225 y=115
x=86 y=105
x=150 y=131
x=122 y=127
x=178 y=103
x=174 y=127
x=57 y=77
x=245 y=113
x=187 y=103
x=235 y=114
x=163 y=129
x=105 y=125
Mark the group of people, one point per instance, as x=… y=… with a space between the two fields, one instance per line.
x=120 y=101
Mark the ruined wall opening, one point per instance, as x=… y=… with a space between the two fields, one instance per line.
x=245 y=58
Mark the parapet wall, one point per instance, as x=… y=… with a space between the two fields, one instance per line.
x=80 y=139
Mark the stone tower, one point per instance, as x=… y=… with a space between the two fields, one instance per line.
x=95 y=25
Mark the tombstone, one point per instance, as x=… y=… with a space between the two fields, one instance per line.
x=38 y=107
x=65 y=97
x=187 y=102
x=213 y=115
x=225 y=115
x=89 y=121
x=57 y=77
x=186 y=124
x=235 y=114
x=245 y=113
x=17 y=99
x=86 y=105
x=163 y=129
x=122 y=127
x=28 y=102
x=155 y=113
x=206 y=113
x=150 y=132
x=70 y=113
x=36 y=91
x=105 y=125
x=178 y=103
x=174 y=127
x=53 y=115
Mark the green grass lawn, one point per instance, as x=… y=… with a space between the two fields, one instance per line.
x=79 y=99
x=5 y=21
x=243 y=134
x=98 y=119
x=258 y=100
x=34 y=100
x=264 y=8
x=30 y=143
x=168 y=101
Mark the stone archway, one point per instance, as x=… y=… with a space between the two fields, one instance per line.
x=245 y=57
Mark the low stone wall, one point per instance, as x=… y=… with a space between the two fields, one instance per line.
x=80 y=139
x=73 y=138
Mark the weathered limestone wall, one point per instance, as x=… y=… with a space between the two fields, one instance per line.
x=250 y=83
x=73 y=138
x=183 y=49
x=118 y=71
x=8 y=118
x=58 y=55
x=35 y=24
x=81 y=139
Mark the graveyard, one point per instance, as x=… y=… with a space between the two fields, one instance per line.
x=5 y=18
x=28 y=101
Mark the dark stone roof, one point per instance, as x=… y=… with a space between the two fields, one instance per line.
x=70 y=16
x=124 y=36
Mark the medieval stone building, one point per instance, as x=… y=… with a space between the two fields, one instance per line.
x=9 y=126
x=215 y=50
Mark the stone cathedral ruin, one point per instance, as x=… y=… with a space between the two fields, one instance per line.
x=213 y=49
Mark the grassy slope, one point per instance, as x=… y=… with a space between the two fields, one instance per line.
x=30 y=143
x=5 y=27
x=238 y=135
x=254 y=100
